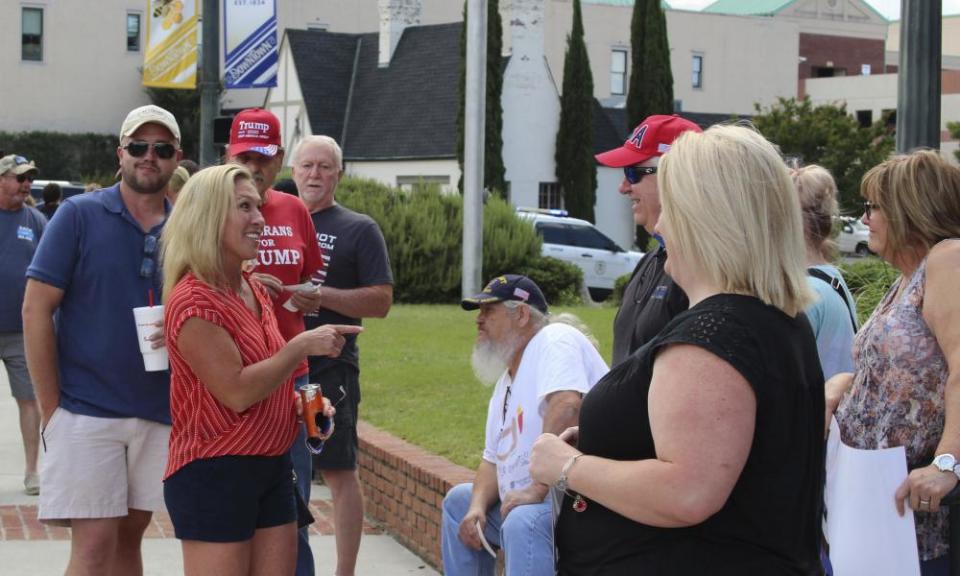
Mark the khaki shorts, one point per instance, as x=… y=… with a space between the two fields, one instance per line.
x=100 y=467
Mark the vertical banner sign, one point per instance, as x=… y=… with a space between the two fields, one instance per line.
x=171 y=57
x=250 y=43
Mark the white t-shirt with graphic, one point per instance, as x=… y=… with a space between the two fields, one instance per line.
x=559 y=357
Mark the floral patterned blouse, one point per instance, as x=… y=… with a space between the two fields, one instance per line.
x=897 y=398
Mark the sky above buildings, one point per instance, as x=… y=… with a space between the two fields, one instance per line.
x=889 y=8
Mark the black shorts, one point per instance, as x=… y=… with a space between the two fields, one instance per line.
x=340 y=450
x=228 y=498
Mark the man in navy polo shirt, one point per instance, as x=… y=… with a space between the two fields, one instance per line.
x=105 y=420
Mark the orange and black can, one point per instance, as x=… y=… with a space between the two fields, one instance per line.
x=319 y=426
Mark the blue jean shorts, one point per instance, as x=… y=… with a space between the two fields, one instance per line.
x=228 y=498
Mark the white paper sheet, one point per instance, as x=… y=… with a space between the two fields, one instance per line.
x=865 y=533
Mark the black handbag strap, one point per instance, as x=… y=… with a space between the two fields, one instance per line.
x=837 y=287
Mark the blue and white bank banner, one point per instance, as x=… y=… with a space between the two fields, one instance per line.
x=250 y=43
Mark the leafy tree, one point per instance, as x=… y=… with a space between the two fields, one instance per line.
x=576 y=168
x=185 y=107
x=651 y=79
x=494 y=173
x=828 y=136
x=954 y=129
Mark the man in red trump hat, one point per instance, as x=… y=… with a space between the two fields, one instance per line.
x=651 y=298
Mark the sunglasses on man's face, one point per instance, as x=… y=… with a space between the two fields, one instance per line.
x=634 y=174
x=21 y=178
x=163 y=150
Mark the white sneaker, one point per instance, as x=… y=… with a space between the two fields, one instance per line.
x=31 y=484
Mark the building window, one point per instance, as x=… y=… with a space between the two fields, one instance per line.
x=31 y=40
x=865 y=118
x=618 y=72
x=133 y=32
x=551 y=196
x=697 y=78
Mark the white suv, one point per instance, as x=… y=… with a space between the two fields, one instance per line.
x=580 y=243
x=854 y=237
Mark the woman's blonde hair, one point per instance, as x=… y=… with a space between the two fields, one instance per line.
x=192 y=235
x=919 y=194
x=732 y=214
x=818 y=206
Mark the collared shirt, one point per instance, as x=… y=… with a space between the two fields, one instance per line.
x=20 y=232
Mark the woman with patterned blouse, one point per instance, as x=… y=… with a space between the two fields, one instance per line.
x=905 y=390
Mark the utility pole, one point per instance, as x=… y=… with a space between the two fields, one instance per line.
x=473 y=134
x=209 y=80
x=918 y=84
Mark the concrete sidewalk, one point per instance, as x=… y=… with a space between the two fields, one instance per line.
x=28 y=548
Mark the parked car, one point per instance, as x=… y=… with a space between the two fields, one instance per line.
x=68 y=188
x=580 y=243
x=854 y=237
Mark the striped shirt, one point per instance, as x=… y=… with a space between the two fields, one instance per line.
x=202 y=426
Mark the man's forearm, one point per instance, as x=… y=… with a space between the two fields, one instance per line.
x=41 y=348
x=485 y=488
x=365 y=302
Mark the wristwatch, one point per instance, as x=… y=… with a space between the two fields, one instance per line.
x=946 y=463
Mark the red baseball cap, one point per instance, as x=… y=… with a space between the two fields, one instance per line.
x=254 y=130
x=653 y=137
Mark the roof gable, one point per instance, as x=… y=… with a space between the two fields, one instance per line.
x=324 y=64
x=748 y=7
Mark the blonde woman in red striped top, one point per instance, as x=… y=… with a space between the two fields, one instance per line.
x=228 y=484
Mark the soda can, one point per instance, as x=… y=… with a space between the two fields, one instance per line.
x=319 y=426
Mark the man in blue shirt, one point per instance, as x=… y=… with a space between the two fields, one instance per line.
x=20 y=230
x=105 y=420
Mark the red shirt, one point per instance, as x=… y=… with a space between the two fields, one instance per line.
x=202 y=426
x=289 y=251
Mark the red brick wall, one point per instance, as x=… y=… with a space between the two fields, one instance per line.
x=404 y=487
x=844 y=52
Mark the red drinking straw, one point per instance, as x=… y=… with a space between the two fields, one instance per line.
x=150 y=297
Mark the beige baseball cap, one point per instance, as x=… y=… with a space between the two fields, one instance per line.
x=147 y=114
x=17 y=164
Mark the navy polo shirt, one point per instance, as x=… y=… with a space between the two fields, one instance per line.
x=96 y=252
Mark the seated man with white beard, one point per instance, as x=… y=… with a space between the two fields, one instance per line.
x=542 y=367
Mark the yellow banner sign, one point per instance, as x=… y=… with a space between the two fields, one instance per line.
x=172 y=34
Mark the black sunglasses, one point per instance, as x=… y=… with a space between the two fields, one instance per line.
x=148 y=264
x=21 y=178
x=634 y=174
x=163 y=150
x=869 y=207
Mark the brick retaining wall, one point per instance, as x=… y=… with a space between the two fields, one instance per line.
x=404 y=486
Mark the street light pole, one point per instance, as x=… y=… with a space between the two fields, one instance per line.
x=209 y=80
x=474 y=122
x=918 y=84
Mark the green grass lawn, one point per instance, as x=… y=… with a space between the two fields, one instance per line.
x=417 y=382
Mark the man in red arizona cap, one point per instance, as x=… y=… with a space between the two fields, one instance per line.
x=288 y=258
x=651 y=298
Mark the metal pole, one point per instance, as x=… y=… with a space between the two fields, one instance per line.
x=209 y=79
x=918 y=85
x=474 y=115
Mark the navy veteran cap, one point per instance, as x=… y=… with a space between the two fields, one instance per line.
x=508 y=287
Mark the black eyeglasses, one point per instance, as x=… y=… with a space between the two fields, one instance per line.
x=869 y=207
x=163 y=150
x=634 y=174
x=21 y=178
x=148 y=264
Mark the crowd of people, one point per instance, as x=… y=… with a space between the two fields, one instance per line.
x=699 y=450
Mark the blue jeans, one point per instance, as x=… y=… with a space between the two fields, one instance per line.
x=303 y=467
x=526 y=538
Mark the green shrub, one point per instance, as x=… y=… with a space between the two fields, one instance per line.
x=619 y=285
x=423 y=230
x=868 y=280
x=62 y=156
x=560 y=281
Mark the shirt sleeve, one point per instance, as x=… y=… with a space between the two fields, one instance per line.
x=561 y=365
x=57 y=254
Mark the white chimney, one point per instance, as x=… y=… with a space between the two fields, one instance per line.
x=395 y=17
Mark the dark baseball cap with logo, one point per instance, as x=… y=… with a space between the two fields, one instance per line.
x=508 y=287
x=255 y=130
x=653 y=137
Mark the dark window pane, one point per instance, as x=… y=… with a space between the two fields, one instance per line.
x=133 y=32
x=31 y=43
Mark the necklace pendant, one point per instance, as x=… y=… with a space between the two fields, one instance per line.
x=579 y=504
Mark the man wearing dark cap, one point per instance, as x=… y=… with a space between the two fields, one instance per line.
x=288 y=259
x=105 y=419
x=651 y=298
x=542 y=366
x=20 y=230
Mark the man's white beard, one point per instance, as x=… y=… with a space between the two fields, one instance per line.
x=491 y=359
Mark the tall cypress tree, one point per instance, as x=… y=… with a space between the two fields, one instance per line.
x=576 y=168
x=494 y=173
x=651 y=79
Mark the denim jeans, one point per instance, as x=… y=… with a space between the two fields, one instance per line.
x=526 y=538
x=303 y=467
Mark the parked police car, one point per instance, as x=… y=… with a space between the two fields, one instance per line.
x=580 y=243
x=854 y=237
